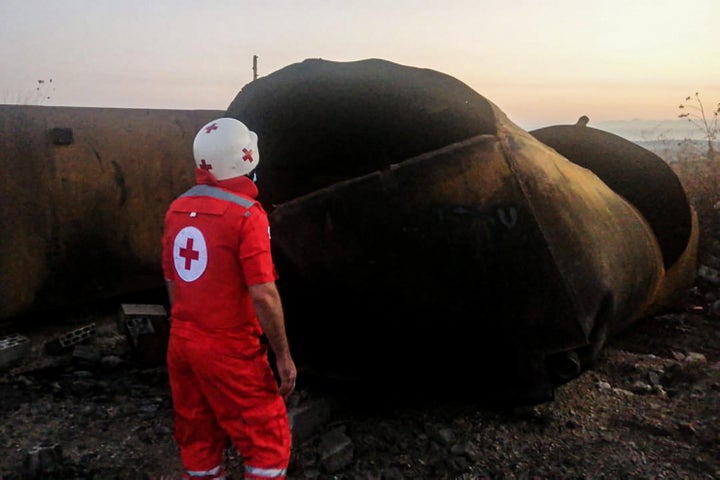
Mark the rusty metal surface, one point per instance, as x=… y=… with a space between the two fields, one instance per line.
x=605 y=248
x=647 y=182
x=83 y=221
x=388 y=273
x=635 y=173
x=492 y=256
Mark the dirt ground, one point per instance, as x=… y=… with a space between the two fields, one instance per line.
x=649 y=409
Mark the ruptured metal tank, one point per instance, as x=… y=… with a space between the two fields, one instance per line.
x=423 y=238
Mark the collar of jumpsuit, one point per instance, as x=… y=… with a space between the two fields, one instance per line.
x=240 y=184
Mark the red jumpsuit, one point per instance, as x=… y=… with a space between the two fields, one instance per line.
x=216 y=243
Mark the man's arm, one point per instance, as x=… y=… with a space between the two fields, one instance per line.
x=268 y=307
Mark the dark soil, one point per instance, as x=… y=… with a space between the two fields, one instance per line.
x=649 y=409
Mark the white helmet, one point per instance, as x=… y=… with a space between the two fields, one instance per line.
x=227 y=148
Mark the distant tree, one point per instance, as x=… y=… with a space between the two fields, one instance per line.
x=694 y=111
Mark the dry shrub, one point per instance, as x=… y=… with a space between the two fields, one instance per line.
x=700 y=177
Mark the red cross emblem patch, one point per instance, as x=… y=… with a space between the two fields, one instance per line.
x=190 y=254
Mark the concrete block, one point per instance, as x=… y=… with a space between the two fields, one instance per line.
x=70 y=339
x=308 y=418
x=130 y=311
x=13 y=349
x=148 y=329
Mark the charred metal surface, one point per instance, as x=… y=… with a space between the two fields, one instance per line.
x=82 y=220
x=323 y=122
x=635 y=173
x=491 y=256
x=407 y=277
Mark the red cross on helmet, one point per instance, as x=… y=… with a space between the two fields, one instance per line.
x=227 y=148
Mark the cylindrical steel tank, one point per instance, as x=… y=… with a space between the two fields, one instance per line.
x=84 y=192
x=635 y=173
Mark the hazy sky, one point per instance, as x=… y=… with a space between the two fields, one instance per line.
x=543 y=62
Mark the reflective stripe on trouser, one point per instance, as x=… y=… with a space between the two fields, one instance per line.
x=263 y=473
x=215 y=473
x=226 y=389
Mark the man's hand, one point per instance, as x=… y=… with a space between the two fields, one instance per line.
x=266 y=300
x=288 y=374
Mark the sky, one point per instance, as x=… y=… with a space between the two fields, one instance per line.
x=543 y=62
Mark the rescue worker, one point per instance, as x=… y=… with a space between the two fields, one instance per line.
x=221 y=285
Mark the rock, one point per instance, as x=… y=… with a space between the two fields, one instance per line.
x=307 y=418
x=82 y=387
x=86 y=354
x=709 y=274
x=163 y=430
x=457 y=464
x=393 y=473
x=465 y=449
x=640 y=387
x=654 y=378
x=687 y=427
x=659 y=390
x=572 y=424
x=111 y=361
x=335 y=450
x=694 y=357
x=622 y=391
x=678 y=356
x=114 y=344
x=604 y=386
x=715 y=309
x=712 y=261
x=311 y=474
x=442 y=435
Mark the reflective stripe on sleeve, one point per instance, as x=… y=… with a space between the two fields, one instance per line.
x=265 y=472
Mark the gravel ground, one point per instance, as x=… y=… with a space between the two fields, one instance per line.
x=649 y=409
